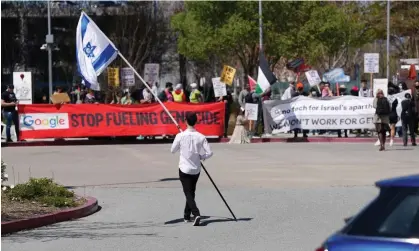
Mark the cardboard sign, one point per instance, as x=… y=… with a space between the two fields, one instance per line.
x=251 y=111
x=313 y=77
x=227 y=75
x=371 y=63
x=151 y=73
x=113 y=76
x=23 y=87
x=60 y=98
x=220 y=88
x=380 y=83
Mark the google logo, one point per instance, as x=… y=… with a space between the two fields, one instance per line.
x=51 y=122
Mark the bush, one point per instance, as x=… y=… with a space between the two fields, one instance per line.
x=4 y=176
x=43 y=190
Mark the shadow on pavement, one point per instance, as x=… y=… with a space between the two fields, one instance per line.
x=124 y=183
x=83 y=230
x=205 y=220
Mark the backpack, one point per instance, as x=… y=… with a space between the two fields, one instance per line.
x=383 y=107
x=248 y=98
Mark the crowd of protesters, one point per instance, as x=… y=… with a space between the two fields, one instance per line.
x=196 y=94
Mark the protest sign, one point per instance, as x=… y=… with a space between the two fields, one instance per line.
x=220 y=88
x=336 y=75
x=347 y=112
x=227 y=75
x=313 y=77
x=90 y=120
x=23 y=87
x=380 y=83
x=113 y=76
x=127 y=77
x=251 y=111
x=60 y=98
x=371 y=63
x=151 y=73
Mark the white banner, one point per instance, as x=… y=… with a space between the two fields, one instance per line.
x=380 y=83
x=346 y=112
x=151 y=73
x=127 y=77
x=23 y=87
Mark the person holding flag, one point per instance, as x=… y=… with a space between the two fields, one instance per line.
x=94 y=53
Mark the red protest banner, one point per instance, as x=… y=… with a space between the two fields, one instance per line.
x=89 y=120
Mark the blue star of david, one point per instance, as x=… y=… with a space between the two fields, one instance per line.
x=89 y=49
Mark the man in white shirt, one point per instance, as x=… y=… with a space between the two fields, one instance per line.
x=193 y=148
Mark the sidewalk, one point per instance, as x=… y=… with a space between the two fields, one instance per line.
x=281 y=138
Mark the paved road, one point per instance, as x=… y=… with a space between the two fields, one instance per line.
x=287 y=196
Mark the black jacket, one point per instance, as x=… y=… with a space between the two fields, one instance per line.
x=408 y=108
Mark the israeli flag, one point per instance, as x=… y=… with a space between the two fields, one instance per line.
x=94 y=51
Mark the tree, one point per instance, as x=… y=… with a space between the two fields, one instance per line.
x=325 y=33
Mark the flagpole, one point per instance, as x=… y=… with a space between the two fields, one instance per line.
x=148 y=87
x=178 y=127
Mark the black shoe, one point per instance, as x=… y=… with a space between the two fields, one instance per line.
x=197 y=220
x=9 y=141
x=414 y=144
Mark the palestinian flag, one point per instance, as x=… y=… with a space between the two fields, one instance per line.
x=265 y=75
x=252 y=83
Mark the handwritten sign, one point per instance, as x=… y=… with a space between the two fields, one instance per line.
x=227 y=75
x=151 y=73
x=220 y=88
x=313 y=77
x=371 y=63
x=113 y=76
x=251 y=111
x=127 y=77
x=23 y=86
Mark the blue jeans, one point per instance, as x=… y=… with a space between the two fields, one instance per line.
x=11 y=117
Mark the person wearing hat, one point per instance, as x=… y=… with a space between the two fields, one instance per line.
x=178 y=94
x=195 y=97
x=355 y=91
x=408 y=119
x=8 y=106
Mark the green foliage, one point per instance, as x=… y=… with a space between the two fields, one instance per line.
x=43 y=190
x=4 y=176
x=314 y=30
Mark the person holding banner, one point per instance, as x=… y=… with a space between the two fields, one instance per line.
x=381 y=117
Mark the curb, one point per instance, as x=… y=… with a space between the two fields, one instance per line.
x=90 y=207
x=210 y=140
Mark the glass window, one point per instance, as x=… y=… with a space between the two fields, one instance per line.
x=395 y=213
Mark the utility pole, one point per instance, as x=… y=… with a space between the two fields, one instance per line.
x=50 y=41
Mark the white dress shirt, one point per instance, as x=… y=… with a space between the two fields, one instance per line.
x=193 y=148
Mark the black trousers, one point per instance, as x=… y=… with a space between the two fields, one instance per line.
x=408 y=124
x=189 y=186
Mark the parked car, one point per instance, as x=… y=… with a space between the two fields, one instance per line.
x=389 y=222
